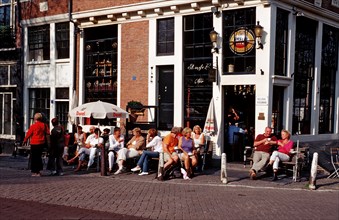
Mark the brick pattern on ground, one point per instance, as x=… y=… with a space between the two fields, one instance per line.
x=203 y=197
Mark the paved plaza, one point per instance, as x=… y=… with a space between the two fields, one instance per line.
x=87 y=195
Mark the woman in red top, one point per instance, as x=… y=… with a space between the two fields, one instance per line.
x=36 y=134
x=283 y=152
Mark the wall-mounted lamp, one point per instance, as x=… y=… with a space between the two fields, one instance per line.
x=258 y=30
x=214 y=39
x=215 y=11
x=297 y=12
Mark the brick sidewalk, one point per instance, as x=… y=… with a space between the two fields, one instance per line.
x=237 y=176
x=19 y=209
x=203 y=197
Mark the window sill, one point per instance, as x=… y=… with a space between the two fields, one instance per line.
x=281 y=80
x=65 y=60
x=238 y=73
x=38 y=62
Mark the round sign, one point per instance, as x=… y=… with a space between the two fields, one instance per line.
x=242 y=41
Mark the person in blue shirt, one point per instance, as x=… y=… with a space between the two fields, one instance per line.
x=233 y=139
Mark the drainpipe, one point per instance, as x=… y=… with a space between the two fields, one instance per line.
x=70 y=9
x=21 y=65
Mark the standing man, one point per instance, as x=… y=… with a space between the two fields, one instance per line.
x=262 y=151
x=56 y=149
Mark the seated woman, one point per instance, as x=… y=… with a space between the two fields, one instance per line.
x=79 y=141
x=154 y=144
x=189 y=153
x=198 y=137
x=116 y=142
x=133 y=149
x=93 y=142
x=282 y=154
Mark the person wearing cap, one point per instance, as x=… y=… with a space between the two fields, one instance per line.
x=134 y=148
x=54 y=164
x=36 y=134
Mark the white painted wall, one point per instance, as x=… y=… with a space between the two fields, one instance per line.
x=50 y=73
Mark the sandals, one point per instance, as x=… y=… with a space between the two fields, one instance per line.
x=253 y=175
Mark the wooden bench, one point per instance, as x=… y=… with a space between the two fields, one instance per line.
x=18 y=148
x=296 y=162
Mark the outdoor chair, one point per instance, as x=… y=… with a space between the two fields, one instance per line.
x=248 y=155
x=296 y=162
x=335 y=162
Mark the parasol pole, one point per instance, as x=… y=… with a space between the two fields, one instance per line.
x=188 y=107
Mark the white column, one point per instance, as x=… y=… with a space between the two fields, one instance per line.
x=81 y=69
x=317 y=80
x=52 y=70
x=264 y=70
x=178 y=73
x=288 y=97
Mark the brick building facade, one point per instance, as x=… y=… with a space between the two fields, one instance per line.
x=159 y=53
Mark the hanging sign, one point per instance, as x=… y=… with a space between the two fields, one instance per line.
x=242 y=41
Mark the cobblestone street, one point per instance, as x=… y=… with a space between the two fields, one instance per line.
x=87 y=195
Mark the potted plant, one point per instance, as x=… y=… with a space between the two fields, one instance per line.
x=135 y=109
x=134 y=105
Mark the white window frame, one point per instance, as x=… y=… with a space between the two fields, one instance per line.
x=11 y=135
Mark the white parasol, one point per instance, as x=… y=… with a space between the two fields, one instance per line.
x=74 y=104
x=210 y=125
x=98 y=110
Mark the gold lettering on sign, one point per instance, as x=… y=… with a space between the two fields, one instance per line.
x=201 y=67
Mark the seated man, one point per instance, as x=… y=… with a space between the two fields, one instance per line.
x=93 y=142
x=168 y=144
x=262 y=150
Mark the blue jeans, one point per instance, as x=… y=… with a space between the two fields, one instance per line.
x=143 y=161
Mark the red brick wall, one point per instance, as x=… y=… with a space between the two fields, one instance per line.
x=134 y=62
x=31 y=9
x=82 y=5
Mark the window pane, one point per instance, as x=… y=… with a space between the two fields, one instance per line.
x=100 y=64
x=165 y=36
x=62 y=93
x=5 y=15
x=38 y=43
x=62 y=109
x=239 y=22
x=329 y=65
x=1 y=111
x=304 y=71
x=62 y=40
x=4 y=75
x=197 y=65
x=281 y=37
x=39 y=101
x=7 y=114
